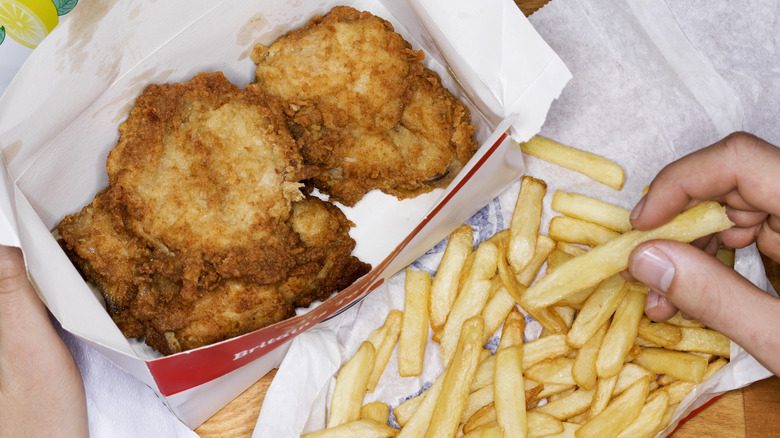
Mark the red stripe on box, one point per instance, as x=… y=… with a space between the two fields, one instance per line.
x=186 y=370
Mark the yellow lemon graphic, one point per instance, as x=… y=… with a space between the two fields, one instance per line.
x=28 y=21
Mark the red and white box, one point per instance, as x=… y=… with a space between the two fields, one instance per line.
x=61 y=113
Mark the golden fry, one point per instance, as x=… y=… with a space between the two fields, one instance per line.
x=524 y=225
x=445 y=283
x=384 y=339
x=449 y=405
x=571 y=230
x=351 y=384
x=595 y=166
x=592 y=210
x=414 y=325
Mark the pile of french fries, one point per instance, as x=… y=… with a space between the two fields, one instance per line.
x=600 y=367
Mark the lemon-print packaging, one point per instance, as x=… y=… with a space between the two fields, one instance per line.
x=60 y=115
x=23 y=25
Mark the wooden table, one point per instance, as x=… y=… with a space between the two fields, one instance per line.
x=751 y=412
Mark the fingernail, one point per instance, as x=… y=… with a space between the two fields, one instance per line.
x=637 y=209
x=652 y=300
x=654 y=269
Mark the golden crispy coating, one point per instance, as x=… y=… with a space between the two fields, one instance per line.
x=425 y=150
x=208 y=171
x=349 y=65
x=364 y=110
x=203 y=233
x=143 y=303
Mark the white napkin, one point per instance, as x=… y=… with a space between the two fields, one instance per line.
x=118 y=404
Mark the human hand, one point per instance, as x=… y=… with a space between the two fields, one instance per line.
x=742 y=172
x=41 y=391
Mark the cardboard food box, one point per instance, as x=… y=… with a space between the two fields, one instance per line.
x=59 y=119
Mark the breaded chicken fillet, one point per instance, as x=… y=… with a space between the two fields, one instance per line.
x=203 y=233
x=363 y=109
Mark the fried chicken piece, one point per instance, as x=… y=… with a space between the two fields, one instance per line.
x=346 y=68
x=208 y=172
x=425 y=150
x=363 y=108
x=203 y=232
x=143 y=303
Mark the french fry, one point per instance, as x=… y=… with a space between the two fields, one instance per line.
x=726 y=256
x=592 y=210
x=510 y=400
x=610 y=258
x=568 y=406
x=376 y=411
x=487 y=431
x=524 y=225
x=543 y=348
x=659 y=333
x=361 y=427
x=556 y=371
x=449 y=405
x=445 y=283
x=471 y=299
x=648 y=423
x=469 y=303
x=384 y=339
x=596 y=310
x=414 y=324
x=546 y=317
x=512 y=334
x=584 y=369
x=540 y=425
x=595 y=166
x=621 y=333
x=629 y=374
x=678 y=320
x=350 y=387
x=701 y=340
x=620 y=413
x=684 y=366
x=544 y=246
x=484 y=374
x=495 y=311
x=405 y=410
x=476 y=400
x=605 y=389
x=571 y=230
x=547 y=390
x=483 y=417
x=417 y=423
x=678 y=389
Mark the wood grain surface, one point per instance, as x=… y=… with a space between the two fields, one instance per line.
x=751 y=412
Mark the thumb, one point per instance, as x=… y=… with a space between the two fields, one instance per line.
x=712 y=293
